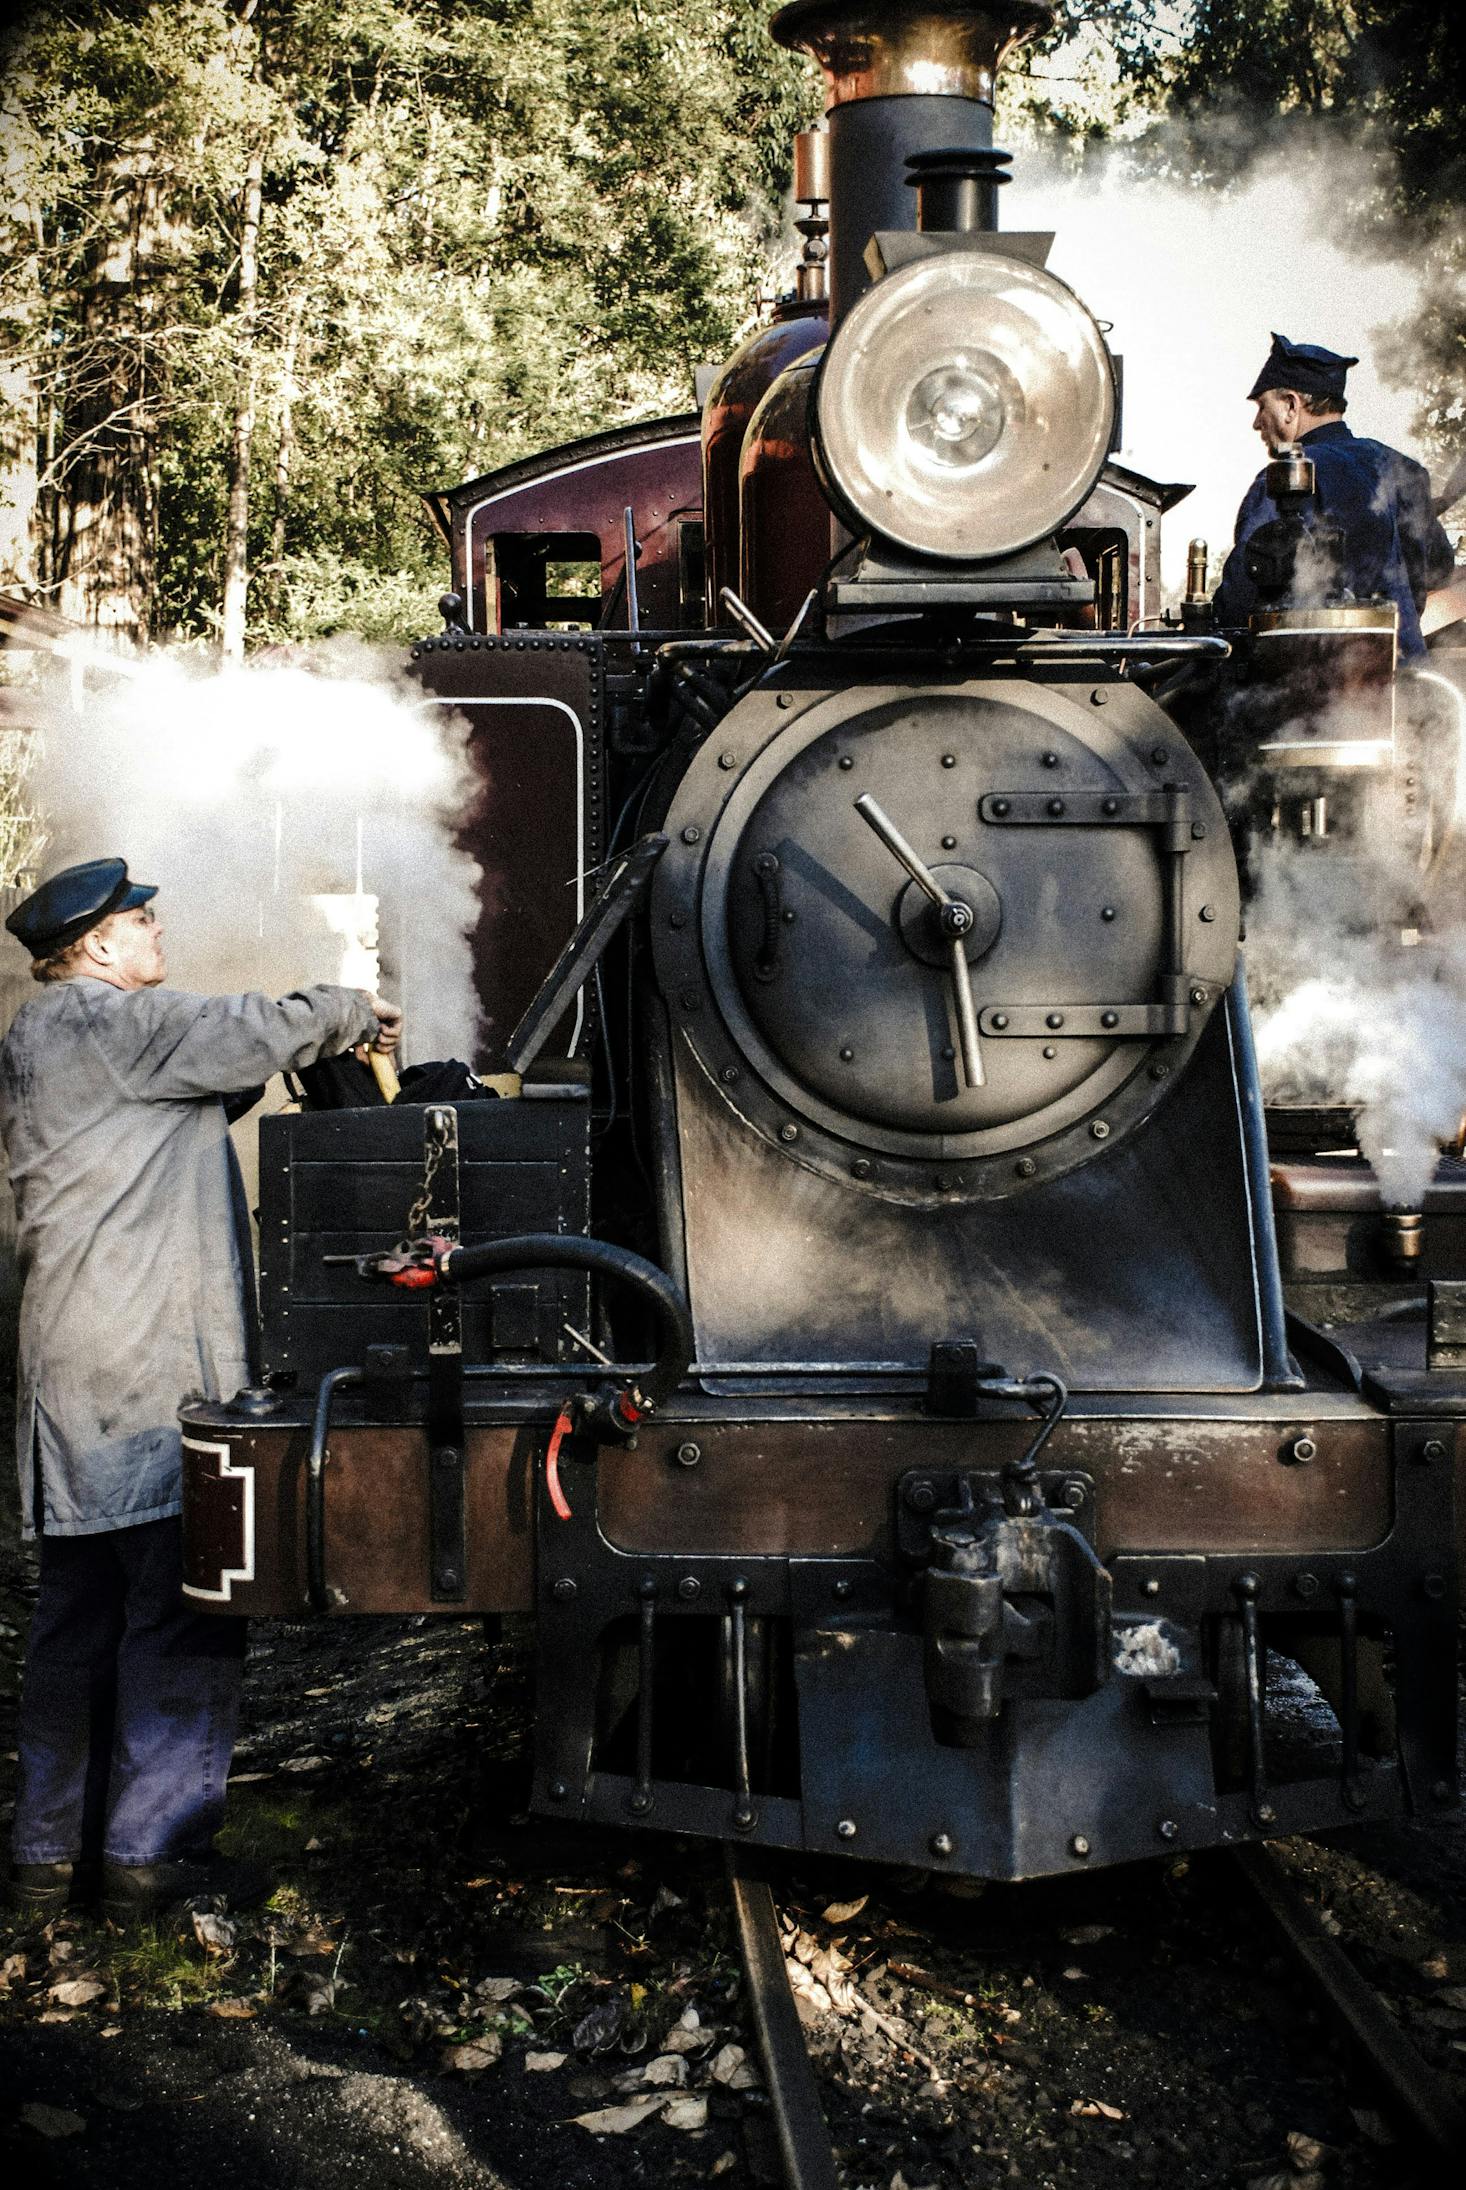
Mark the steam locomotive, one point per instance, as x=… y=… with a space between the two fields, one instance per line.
x=848 y=1316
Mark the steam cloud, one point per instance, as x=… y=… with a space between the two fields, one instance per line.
x=1194 y=279
x=1356 y=979
x=272 y=803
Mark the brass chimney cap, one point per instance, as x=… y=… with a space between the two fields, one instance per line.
x=875 y=49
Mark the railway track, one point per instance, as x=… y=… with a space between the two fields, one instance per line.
x=1430 y=2121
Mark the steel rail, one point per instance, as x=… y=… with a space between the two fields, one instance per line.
x=1414 y=2090
x=799 y=2120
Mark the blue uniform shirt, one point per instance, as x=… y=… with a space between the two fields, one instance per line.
x=1394 y=549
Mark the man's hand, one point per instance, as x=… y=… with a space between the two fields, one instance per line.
x=389 y=1025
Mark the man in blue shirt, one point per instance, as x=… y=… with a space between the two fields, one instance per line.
x=1394 y=549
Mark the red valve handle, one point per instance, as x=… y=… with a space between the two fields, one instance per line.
x=552 y=1465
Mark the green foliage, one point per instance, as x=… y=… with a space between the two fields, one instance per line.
x=484 y=230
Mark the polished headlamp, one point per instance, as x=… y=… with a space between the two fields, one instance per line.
x=964 y=407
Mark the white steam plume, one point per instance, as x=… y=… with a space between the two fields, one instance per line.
x=1194 y=278
x=1356 y=966
x=293 y=818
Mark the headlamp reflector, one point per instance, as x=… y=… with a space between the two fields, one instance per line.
x=965 y=406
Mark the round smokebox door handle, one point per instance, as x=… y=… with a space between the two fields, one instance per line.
x=956 y=922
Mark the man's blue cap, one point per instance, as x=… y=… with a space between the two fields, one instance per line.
x=64 y=907
x=1304 y=366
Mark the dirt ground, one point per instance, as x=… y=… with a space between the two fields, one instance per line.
x=444 y=1993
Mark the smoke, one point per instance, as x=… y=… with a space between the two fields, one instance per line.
x=1195 y=277
x=296 y=820
x=1356 y=991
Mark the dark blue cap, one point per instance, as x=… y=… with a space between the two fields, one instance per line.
x=64 y=907
x=1304 y=366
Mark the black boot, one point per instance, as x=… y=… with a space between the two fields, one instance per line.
x=134 y=1892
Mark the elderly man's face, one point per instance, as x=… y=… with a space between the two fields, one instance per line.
x=1279 y=417
x=130 y=945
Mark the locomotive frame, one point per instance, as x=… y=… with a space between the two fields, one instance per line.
x=981 y=1481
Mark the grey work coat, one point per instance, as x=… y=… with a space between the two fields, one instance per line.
x=129 y=1242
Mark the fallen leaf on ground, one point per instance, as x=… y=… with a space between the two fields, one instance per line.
x=731 y=2066
x=1435 y=1965
x=475 y=2053
x=316 y=1691
x=1304 y=2151
x=724 y=2164
x=12 y=1971
x=666 y=1900
x=688 y=2112
x=248 y=1779
x=538 y=2062
x=1451 y=1996
x=52 y=2121
x=62 y=1950
x=494 y=1991
x=1096 y=2109
x=614 y=2121
x=598 y=2030
x=667 y=2068
x=215 y=1934
x=113 y=2030
x=1074 y=1976
x=229 y=2010
x=318 y=1995
x=304 y=1764
x=1372 y=2125
x=77 y=1992
x=315 y=1939
x=1087 y=1935
x=845 y=1912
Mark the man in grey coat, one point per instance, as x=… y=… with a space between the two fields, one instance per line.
x=115 y=1097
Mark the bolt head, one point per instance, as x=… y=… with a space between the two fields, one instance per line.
x=692 y=834
x=1305 y=1585
x=788 y=1132
x=846 y=1828
x=841 y=1588
x=941 y=1843
x=689 y=1588
x=1160 y=1071
x=688 y=1454
x=743 y=1819
x=1266 y=1814
x=1159 y=755
x=861 y=1168
x=563 y=1590
x=786 y=699
x=1051 y=760
x=1198 y=832
x=639 y=1804
x=558 y=1791
x=1079 y=1846
x=1152 y=1587
x=1166 y=1827
x=1208 y=912
x=845 y=761
x=949 y=760
x=949 y=844
x=677 y=919
x=1073 y=1494
x=1198 y=996
x=1025 y=1167
x=727 y=760
x=1434 y=1448
x=1433 y=1586
x=1056 y=807
x=1002 y=807
x=1300 y=1450
x=1099 y=1131
x=921 y=1497
x=729 y=1075
x=1099 y=699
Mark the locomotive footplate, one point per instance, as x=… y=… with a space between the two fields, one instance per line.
x=790 y=1700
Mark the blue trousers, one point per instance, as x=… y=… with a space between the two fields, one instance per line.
x=129 y=1704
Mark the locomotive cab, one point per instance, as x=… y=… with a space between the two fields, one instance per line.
x=856 y=1332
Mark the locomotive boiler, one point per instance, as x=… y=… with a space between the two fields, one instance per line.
x=849 y=1320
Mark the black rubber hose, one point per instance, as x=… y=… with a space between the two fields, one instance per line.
x=573 y=1251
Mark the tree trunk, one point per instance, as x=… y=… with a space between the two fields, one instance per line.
x=104 y=472
x=284 y=458
x=236 y=530
x=19 y=478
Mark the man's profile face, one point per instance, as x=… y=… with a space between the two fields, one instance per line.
x=133 y=942
x=1278 y=417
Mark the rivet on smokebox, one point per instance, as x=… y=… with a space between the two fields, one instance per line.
x=1166 y=1827
x=1099 y=699
x=729 y=1075
x=846 y=1828
x=1208 y=912
x=1079 y=1845
x=563 y=1590
x=941 y=1844
x=1099 y=1131
x=786 y=699
x=1198 y=996
x=788 y=1132
x=861 y=1168
x=1433 y=1449
x=1025 y=1167
x=688 y=1454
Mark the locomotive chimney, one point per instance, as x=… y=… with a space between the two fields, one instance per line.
x=903 y=77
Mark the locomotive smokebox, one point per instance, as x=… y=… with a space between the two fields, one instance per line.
x=902 y=78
